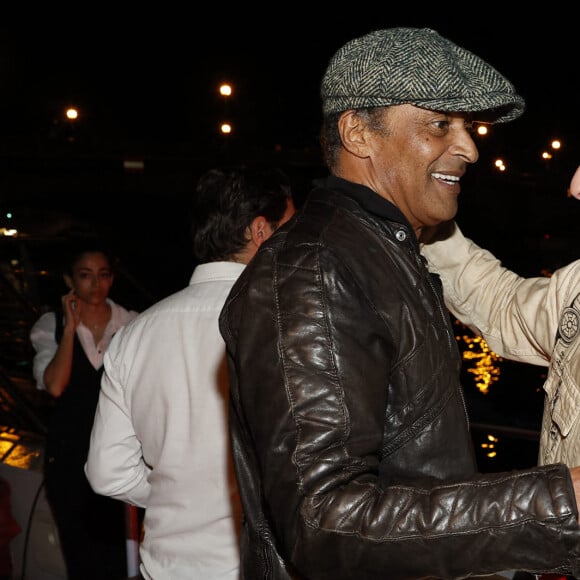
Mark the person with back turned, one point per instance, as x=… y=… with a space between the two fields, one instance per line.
x=160 y=436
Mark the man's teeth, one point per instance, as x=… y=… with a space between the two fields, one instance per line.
x=443 y=177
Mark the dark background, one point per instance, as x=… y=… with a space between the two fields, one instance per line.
x=145 y=82
x=148 y=77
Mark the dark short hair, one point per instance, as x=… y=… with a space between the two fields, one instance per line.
x=77 y=245
x=225 y=203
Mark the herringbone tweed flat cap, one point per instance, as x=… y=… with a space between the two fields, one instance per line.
x=420 y=67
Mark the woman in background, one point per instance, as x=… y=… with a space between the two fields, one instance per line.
x=69 y=345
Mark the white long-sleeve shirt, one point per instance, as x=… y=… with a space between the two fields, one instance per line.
x=45 y=345
x=160 y=438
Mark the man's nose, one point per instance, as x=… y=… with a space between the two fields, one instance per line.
x=465 y=147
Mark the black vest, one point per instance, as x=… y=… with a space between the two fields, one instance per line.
x=71 y=419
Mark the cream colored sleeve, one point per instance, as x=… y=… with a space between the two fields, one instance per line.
x=518 y=317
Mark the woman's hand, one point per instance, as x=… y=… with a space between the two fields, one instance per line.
x=71 y=307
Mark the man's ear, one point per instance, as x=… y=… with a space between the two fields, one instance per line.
x=353 y=134
x=68 y=281
x=259 y=230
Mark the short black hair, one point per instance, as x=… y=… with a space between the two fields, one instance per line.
x=227 y=200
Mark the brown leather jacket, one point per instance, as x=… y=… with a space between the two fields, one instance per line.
x=350 y=435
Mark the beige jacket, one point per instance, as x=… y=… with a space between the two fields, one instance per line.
x=532 y=320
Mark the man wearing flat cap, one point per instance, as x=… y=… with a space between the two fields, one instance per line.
x=349 y=429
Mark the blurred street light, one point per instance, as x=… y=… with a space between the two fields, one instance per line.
x=500 y=165
x=72 y=114
x=555 y=145
x=65 y=125
x=226 y=90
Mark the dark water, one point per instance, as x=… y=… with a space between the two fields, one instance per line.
x=506 y=416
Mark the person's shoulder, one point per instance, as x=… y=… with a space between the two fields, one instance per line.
x=45 y=321
x=125 y=313
x=50 y=315
x=158 y=320
x=163 y=305
x=567 y=280
x=571 y=269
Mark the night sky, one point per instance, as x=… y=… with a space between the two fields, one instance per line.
x=150 y=77
x=146 y=81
